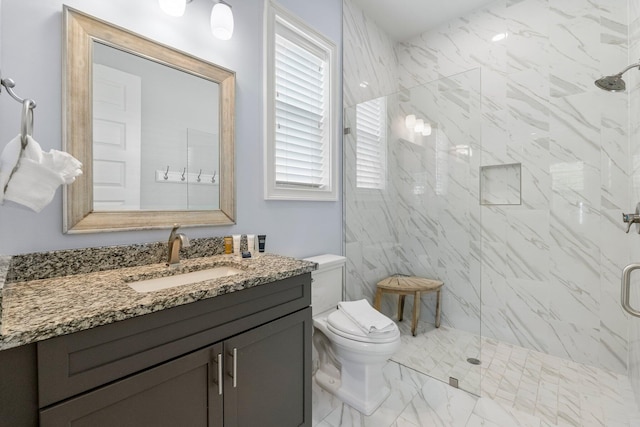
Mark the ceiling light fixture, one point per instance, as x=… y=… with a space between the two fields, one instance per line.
x=222 y=20
x=173 y=7
x=427 y=129
x=221 y=16
x=419 y=126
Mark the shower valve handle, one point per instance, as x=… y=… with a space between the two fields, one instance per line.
x=632 y=218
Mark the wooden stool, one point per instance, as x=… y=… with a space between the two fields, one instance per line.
x=408 y=285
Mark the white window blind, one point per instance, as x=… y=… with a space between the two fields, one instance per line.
x=300 y=140
x=371 y=144
x=302 y=132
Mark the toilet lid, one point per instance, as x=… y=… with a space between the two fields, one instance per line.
x=341 y=325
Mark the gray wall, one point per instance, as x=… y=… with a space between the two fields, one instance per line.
x=31 y=34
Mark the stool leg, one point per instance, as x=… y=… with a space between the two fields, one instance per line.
x=378 y=299
x=438 y=310
x=416 y=313
x=400 y=307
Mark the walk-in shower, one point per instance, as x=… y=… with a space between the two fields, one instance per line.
x=615 y=83
x=513 y=201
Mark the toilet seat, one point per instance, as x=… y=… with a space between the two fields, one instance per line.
x=341 y=325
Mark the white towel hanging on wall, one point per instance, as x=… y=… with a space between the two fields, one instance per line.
x=27 y=175
x=38 y=175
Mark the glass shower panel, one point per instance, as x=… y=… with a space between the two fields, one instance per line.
x=423 y=219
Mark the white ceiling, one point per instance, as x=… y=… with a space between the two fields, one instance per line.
x=403 y=19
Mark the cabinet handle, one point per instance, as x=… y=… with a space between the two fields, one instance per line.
x=218 y=362
x=234 y=374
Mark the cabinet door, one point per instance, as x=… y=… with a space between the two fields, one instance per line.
x=268 y=374
x=182 y=392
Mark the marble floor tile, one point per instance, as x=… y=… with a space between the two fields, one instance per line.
x=323 y=403
x=513 y=387
x=405 y=383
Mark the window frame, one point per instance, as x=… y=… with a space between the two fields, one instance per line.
x=276 y=15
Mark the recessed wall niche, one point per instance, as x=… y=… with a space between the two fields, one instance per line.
x=501 y=184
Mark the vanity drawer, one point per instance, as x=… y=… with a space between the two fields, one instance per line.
x=71 y=364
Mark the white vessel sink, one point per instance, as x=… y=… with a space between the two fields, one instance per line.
x=159 y=283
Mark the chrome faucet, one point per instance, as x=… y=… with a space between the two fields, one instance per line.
x=176 y=241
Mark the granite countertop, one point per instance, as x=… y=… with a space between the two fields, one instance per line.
x=39 y=309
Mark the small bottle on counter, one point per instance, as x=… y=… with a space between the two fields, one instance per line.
x=228 y=244
x=236 y=244
x=262 y=238
x=251 y=243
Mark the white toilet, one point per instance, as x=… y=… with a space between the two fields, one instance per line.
x=350 y=361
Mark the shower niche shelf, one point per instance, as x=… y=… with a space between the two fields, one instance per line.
x=501 y=184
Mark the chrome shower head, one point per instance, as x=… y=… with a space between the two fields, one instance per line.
x=614 y=83
x=611 y=83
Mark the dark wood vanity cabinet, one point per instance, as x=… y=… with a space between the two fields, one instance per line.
x=240 y=359
x=175 y=393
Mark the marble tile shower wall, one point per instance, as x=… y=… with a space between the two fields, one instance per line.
x=370 y=235
x=437 y=208
x=424 y=221
x=370 y=63
x=550 y=267
x=370 y=68
x=633 y=80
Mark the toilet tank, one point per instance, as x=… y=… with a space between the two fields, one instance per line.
x=328 y=282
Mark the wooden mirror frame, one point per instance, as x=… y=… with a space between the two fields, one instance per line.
x=81 y=31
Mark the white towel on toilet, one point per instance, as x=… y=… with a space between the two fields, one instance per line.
x=370 y=320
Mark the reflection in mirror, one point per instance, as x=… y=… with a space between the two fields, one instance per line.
x=132 y=150
x=154 y=128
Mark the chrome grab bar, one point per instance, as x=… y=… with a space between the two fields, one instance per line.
x=626 y=288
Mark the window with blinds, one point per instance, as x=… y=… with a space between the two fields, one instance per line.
x=302 y=121
x=300 y=157
x=371 y=144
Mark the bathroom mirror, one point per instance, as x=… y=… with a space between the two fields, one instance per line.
x=153 y=127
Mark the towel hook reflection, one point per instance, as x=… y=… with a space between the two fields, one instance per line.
x=213 y=177
x=166 y=174
x=199 y=174
x=182 y=177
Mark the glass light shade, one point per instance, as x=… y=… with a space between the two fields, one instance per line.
x=410 y=121
x=427 y=129
x=419 y=126
x=222 y=21
x=173 y=7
